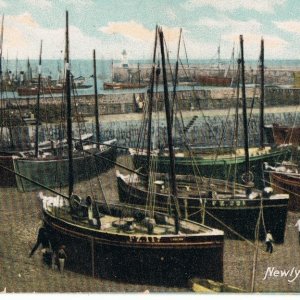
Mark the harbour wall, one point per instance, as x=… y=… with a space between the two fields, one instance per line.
x=124 y=103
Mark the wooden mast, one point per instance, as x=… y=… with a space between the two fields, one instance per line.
x=247 y=178
x=169 y=130
x=38 y=104
x=96 y=102
x=1 y=78
x=69 y=110
x=151 y=103
x=262 y=93
x=175 y=78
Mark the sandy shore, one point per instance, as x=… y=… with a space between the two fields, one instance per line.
x=20 y=219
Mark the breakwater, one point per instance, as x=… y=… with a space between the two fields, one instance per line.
x=129 y=102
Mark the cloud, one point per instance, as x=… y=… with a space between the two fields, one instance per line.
x=275 y=47
x=138 y=32
x=264 y=6
x=3 y=4
x=43 y=4
x=230 y=24
x=22 y=36
x=289 y=26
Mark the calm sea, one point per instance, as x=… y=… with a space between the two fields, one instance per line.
x=104 y=67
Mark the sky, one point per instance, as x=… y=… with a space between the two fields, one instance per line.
x=109 y=26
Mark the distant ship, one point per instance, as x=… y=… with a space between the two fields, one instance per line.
x=210 y=80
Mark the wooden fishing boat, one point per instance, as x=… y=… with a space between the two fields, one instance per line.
x=199 y=285
x=216 y=162
x=49 y=166
x=286 y=179
x=227 y=164
x=210 y=80
x=124 y=248
x=282 y=134
x=129 y=243
x=219 y=203
x=33 y=90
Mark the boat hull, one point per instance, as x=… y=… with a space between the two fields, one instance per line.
x=33 y=91
x=238 y=214
x=286 y=134
x=287 y=183
x=54 y=172
x=230 y=169
x=7 y=178
x=214 y=81
x=162 y=260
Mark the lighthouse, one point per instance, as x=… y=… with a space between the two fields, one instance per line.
x=124 y=60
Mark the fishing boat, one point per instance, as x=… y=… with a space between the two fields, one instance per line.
x=216 y=78
x=199 y=285
x=285 y=178
x=222 y=162
x=210 y=80
x=80 y=83
x=283 y=134
x=232 y=207
x=49 y=166
x=33 y=90
x=130 y=244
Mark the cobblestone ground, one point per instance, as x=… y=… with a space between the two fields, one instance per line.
x=20 y=219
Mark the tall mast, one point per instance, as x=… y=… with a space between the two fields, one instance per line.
x=69 y=110
x=262 y=93
x=96 y=102
x=169 y=130
x=245 y=123
x=151 y=103
x=175 y=78
x=38 y=104
x=1 y=78
x=112 y=71
x=139 y=74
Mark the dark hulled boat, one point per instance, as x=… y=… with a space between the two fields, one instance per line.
x=210 y=80
x=214 y=203
x=49 y=167
x=131 y=244
x=124 y=249
x=33 y=90
x=286 y=179
x=282 y=134
x=223 y=204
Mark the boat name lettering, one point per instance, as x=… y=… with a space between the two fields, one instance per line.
x=144 y=239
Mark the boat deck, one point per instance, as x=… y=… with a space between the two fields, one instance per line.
x=129 y=225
